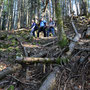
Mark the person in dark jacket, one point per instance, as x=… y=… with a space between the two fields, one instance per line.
x=34 y=27
x=42 y=27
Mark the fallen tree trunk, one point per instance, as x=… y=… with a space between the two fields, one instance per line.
x=9 y=70
x=36 y=60
x=73 y=44
x=74 y=40
x=50 y=82
x=23 y=29
x=88 y=32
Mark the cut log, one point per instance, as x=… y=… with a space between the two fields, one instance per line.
x=50 y=82
x=36 y=60
x=9 y=70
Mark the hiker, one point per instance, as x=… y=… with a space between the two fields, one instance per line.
x=34 y=27
x=42 y=27
x=51 y=28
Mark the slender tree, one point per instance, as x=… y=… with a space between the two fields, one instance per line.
x=61 y=34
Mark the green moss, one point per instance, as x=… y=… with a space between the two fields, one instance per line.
x=17 y=49
x=14 y=42
x=3 y=36
x=11 y=87
x=19 y=54
x=10 y=48
x=63 y=42
x=62 y=60
x=47 y=61
x=58 y=61
x=4 y=45
x=10 y=37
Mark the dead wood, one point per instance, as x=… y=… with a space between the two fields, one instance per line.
x=24 y=48
x=41 y=54
x=48 y=44
x=88 y=32
x=50 y=82
x=74 y=40
x=74 y=27
x=82 y=49
x=23 y=29
x=36 y=60
x=73 y=44
x=9 y=70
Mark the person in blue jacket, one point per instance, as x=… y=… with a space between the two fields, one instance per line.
x=42 y=27
x=33 y=28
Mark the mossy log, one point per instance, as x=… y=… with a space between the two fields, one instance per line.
x=9 y=70
x=50 y=82
x=35 y=60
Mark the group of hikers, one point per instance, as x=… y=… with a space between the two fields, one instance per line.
x=42 y=27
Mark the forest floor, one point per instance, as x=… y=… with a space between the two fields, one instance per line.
x=17 y=45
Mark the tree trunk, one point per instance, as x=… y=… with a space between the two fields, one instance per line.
x=50 y=82
x=61 y=34
x=15 y=14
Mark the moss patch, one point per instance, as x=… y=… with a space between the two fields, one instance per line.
x=63 y=42
x=62 y=60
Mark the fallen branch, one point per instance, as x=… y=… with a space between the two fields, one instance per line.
x=23 y=29
x=48 y=44
x=24 y=48
x=9 y=70
x=50 y=82
x=74 y=41
x=41 y=54
x=83 y=49
x=36 y=60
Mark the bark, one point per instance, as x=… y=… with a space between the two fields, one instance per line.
x=75 y=39
x=36 y=60
x=50 y=82
x=72 y=44
x=9 y=70
x=88 y=32
x=41 y=54
x=49 y=44
x=44 y=10
x=15 y=14
x=24 y=48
